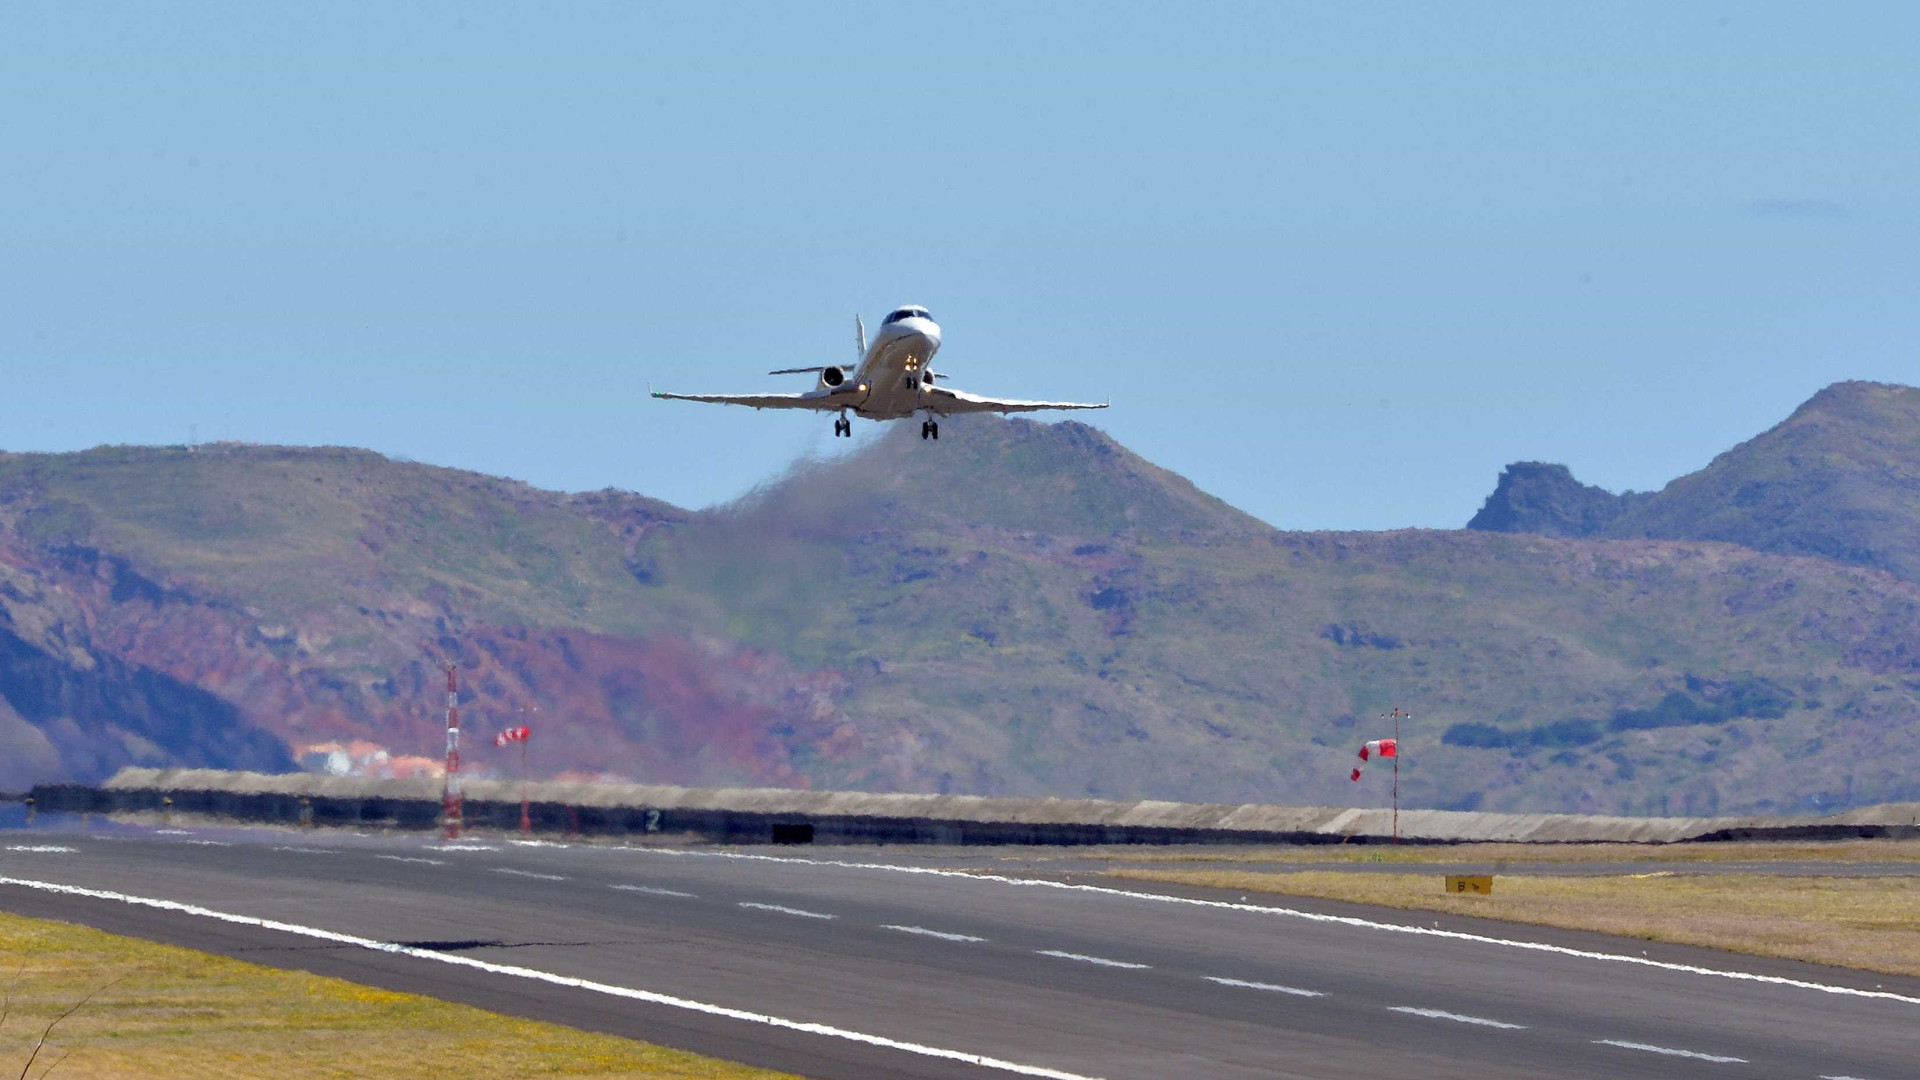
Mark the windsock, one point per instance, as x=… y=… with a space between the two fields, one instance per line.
x=520 y=734
x=1383 y=747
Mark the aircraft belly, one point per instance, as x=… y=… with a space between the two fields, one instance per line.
x=896 y=392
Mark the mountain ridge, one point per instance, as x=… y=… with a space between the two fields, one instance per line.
x=1019 y=608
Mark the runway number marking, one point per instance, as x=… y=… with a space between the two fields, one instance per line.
x=1310 y=916
x=1670 y=1052
x=528 y=873
x=412 y=859
x=1437 y=1014
x=941 y=934
x=786 y=910
x=651 y=891
x=1274 y=988
x=1101 y=960
x=534 y=974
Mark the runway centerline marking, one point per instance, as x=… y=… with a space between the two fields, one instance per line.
x=209 y=843
x=534 y=974
x=43 y=849
x=1439 y=1014
x=924 y=932
x=307 y=850
x=1085 y=959
x=529 y=873
x=1270 y=987
x=1310 y=916
x=1671 y=1052
x=653 y=891
x=787 y=910
x=412 y=859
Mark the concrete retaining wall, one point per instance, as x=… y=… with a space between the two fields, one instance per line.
x=756 y=815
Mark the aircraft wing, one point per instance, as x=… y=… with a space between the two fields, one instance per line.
x=948 y=402
x=821 y=400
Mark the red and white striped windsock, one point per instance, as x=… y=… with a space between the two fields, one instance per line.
x=1383 y=747
x=520 y=734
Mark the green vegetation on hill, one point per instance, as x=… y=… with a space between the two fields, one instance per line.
x=1839 y=479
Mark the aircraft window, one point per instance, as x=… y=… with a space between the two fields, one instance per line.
x=896 y=317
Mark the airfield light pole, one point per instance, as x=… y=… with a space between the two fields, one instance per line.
x=1398 y=715
x=450 y=793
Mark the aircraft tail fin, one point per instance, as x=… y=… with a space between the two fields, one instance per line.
x=860 y=334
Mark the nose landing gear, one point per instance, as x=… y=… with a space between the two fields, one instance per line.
x=929 y=429
x=843 y=427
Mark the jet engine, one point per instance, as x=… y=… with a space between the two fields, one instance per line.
x=831 y=377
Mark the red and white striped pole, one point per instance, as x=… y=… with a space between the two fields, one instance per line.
x=450 y=794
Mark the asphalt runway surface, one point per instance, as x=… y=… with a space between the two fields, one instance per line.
x=881 y=962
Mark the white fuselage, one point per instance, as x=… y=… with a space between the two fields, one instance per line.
x=896 y=368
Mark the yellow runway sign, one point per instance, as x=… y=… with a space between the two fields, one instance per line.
x=1470 y=883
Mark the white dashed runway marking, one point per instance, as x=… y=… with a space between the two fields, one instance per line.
x=528 y=873
x=1671 y=1052
x=1270 y=987
x=1101 y=960
x=1437 y=1014
x=412 y=859
x=42 y=849
x=652 y=891
x=941 y=934
x=306 y=850
x=786 y=910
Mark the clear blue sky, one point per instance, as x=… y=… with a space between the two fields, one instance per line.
x=1336 y=263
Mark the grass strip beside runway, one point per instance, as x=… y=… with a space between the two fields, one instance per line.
x=1867 y=923
x=1755 y=851
x=158 y=1010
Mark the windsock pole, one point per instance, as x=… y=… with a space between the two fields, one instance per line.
x=450 y=793
x=1398 y=715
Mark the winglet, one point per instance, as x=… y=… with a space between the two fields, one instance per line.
x=860 y=334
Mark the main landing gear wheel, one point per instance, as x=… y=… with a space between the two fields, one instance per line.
x=929 y=429
x=843 y=428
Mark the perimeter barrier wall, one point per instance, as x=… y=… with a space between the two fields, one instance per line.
x=773 y=815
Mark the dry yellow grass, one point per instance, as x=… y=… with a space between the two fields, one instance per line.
x=1868 y=923
x=177 y=1012
x=1732 y=851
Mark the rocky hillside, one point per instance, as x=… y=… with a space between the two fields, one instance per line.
x=1018 y=608
x=1839 y=479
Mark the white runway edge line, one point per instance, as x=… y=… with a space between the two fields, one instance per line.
x=1437 y=1014
x=1101 y=960
x=941 y=934
x=1670 y=1052
x=1310 y=916
x=651 y=891
x=536 y=975
x=528 y=873
x=787 y=910
x=1270 y=987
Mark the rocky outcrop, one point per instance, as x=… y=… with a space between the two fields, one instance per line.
x=1537 y=497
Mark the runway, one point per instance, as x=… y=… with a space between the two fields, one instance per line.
x=855 y=963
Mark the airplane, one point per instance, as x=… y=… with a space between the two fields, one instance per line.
x=894 y=379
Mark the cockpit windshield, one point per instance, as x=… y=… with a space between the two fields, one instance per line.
x=905 y=313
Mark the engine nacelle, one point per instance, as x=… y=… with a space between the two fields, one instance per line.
x=831 y=377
